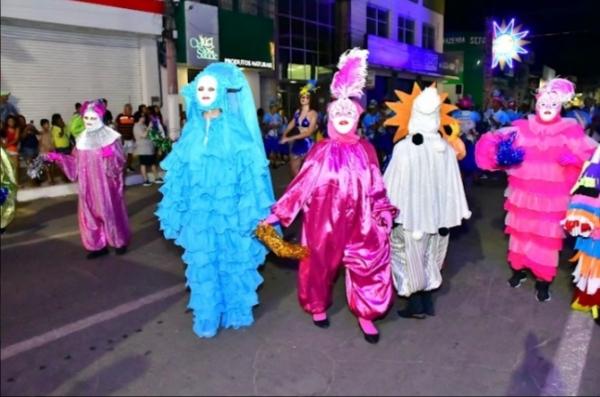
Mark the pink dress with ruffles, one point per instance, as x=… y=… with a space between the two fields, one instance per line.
x=539 y=188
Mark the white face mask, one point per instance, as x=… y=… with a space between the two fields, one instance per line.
x=92 y=120
x=206 y=90
x=548 y=107
x=344 y=116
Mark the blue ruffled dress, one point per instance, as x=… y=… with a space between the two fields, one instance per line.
x=217 y=189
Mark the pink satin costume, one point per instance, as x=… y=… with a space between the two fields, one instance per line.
x=102 y=211
x=346 y=223
x=539 y=188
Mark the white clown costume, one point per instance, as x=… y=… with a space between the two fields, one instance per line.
x=423 y=181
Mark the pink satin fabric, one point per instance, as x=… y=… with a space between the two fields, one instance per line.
x=102 y=211
x=346 y=223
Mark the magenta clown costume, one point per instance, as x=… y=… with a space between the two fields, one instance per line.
x=542 y=156
x=97 y=164
x=347 y=216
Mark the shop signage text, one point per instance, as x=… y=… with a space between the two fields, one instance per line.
x=249 y=63
x=205 y=47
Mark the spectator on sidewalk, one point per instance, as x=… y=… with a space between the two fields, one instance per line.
x=145 y=149
x=29 y=142
x=107 y=119
x=124 y=125
x=60 y=137
x=76 y=125
x=46 y=146
x=10 y=137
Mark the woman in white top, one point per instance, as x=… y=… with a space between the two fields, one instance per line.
x=144 y=149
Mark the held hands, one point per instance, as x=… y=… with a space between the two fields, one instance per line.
x=270 y=220
x=506 y=153
x=385 y=219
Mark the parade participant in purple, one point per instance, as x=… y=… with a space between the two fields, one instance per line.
x=301 y=128
x=347 y=216
x=97 y=163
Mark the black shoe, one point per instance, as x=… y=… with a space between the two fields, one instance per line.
x=322 y=323
x=543 y=293
x=371 y=338
x=414 y=309
x=121 y=250
x=2 y=230
x=428 y=303
x=97 y=254
x=518 y=277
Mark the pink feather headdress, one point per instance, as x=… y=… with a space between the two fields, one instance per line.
x=349 y=81
x=562 y=88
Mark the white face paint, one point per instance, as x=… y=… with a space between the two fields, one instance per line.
x=344 y=116
x=206 y=90
x=92 y=120
x=548 y=106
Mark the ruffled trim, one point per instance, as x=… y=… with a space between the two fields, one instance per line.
x=541 y=187
x=535 y=253
x=519 y=261
x=546 y=242
x=540 y=227
x=540 y=203
x=550 y=171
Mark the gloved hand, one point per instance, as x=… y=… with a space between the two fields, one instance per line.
x=567 y=158
x=107 y=151
x=507 y=154
x=386 y=220
x=270 y=220
x=52 y=157
x=577 y=226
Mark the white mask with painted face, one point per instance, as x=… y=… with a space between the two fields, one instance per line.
x=206 y=90
x=92 y=120
x=548 y=106
x=344 y=116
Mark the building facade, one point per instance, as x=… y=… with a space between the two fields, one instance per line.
x=236 y=31
x=404 y=39
x=56 y=53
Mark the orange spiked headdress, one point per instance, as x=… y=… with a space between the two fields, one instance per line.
x=403 y=108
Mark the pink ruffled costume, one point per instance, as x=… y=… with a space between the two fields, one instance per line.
x=538 y=188
x=343 y=198
x=102 y=211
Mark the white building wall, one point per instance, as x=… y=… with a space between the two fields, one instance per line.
x=416 y=11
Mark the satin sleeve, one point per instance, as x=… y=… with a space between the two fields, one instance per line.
x=68 y=164
x=299 y=191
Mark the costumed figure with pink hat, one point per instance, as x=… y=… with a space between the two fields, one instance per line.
x=97 y=163
x=347 y=216
x=542 y=156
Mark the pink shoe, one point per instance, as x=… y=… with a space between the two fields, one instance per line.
x=369 y=330
x=321 y=320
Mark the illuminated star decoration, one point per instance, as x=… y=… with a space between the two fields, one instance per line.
x=508 y=44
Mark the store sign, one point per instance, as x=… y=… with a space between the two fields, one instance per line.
x=205 y=47
x=248 y=63
x=400 y=56
x=202 y=34
x=471 y=40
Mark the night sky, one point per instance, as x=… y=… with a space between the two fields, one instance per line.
x=565 y=34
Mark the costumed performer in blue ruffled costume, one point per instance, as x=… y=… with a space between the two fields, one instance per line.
x=217 y=188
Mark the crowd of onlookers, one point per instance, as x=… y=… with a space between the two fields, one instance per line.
x=25 y=140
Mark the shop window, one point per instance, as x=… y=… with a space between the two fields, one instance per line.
x=377 y=21
x=298 y=71
x=406 y=30
x=297 y=33
x=283 y=7
x=428 y=36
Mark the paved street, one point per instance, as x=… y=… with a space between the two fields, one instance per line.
x=118 y=325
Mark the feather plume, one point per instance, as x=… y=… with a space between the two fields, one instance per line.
x=349 y=81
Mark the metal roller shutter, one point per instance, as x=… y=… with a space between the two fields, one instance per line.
x=48 y=70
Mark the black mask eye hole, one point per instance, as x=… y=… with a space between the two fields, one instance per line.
x=448 y=130
x=417 y=139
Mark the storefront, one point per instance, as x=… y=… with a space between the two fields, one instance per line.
x=208 y=34
x=57 y=53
